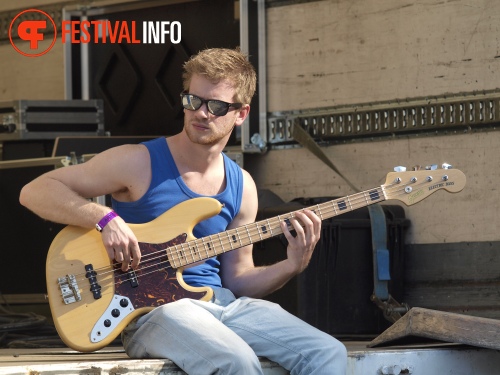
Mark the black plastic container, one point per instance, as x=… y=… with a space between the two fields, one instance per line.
x=333 y=293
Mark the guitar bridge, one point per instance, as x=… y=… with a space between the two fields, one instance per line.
x=69 y=289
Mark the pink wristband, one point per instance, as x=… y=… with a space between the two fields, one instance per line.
x=105 y=220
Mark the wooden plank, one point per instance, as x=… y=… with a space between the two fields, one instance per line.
x=109 y=361
x=471 y=300
x=464 y=262
x=26 y=4
x=32 y=78
x=455 y=277
x=40 y=4
x=442 y=326
x=335 y=52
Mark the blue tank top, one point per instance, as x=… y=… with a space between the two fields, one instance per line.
x=167 y=189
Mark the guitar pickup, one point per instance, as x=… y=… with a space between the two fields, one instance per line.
x=69 y=289
x=95 y=288
x=132 y=278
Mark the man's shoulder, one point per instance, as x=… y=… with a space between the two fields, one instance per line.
x=126 y=157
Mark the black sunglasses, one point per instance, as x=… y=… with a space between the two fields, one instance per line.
x=215 y=107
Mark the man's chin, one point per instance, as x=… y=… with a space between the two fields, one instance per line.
x=205 y=140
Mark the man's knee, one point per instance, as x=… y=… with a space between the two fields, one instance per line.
x=330 y=357
x=238 y=360
x=335 y=358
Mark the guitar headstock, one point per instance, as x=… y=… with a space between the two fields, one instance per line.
x=411 y=187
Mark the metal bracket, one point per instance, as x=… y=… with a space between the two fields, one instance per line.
x=440 y=115
x=393 y=310
x=72 y=159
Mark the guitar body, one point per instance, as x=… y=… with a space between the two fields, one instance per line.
x=83 y=324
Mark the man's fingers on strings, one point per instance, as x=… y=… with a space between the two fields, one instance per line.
x=118 y=255
x=136 y=255
x=126 y=259
x=288 y=229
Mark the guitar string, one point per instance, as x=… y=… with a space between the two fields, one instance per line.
x=328 y=208
x=253 y=231
x=254 y=228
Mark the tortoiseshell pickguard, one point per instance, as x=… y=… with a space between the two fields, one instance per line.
x=157 y=281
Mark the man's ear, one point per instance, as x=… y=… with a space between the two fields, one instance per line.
x=243 y=113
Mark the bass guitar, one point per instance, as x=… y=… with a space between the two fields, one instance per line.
x=92 y=300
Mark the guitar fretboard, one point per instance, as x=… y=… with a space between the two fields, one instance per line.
x=215 y=244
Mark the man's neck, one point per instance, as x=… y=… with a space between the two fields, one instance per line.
x=192 y=155
x=200 y=166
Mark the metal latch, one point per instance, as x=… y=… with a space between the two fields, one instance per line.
x=393 y=310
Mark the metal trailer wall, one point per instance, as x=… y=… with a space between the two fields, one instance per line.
x=330 y=53
x=339 y=52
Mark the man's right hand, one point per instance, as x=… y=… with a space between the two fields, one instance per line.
x=121 y=244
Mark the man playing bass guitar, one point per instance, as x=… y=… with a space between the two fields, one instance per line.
x=228 y=333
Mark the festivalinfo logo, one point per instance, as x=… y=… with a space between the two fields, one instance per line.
x=39 y=29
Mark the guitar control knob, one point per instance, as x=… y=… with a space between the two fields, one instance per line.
x=115 y=313
x=107 y=323
x=123 y=302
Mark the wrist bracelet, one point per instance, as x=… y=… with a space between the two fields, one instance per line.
x=105 y=220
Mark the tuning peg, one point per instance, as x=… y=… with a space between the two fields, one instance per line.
x=446 y=166
x=417 y=167
x=399 y=169
x=431 y=167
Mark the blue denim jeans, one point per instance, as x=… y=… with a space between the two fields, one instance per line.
x=227 y=335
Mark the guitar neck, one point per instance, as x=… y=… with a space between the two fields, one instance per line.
x=219 y=243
